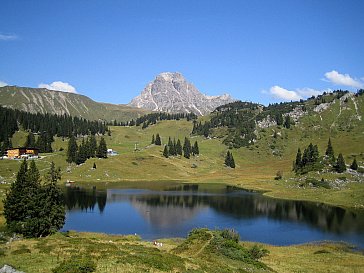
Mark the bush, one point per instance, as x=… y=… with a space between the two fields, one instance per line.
x=230 y=234
x=78 y=265
x=257 y=252
x=279 y=175
x=318 y=183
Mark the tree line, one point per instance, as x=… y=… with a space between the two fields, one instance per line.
x=46 y=126
x=87 y=149
x=153 y=118
x=175 y=148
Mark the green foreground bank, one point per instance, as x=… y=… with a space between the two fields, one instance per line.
x=202 y=251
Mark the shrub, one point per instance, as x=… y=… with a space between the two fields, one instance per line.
x=257 y=252
x=230 y=234
x=318 y=183
x=279 y=175
x=78 y=265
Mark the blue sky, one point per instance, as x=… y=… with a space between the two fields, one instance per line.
x=261 y=51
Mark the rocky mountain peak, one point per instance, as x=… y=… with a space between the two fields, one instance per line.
x=170 y=92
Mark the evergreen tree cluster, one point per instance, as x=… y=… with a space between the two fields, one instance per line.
x=360 y=92
x=241 y=117
x=174 y=148
x=32 y=209
x=229 y=160
x=309 y=160
x=87 y=149
x=46 y=126
x=156 y=140
x=153 y=118
x=201 y=129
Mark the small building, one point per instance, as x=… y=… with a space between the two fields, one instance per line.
x=22 y=152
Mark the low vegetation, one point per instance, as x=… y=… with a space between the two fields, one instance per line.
x=203 y=251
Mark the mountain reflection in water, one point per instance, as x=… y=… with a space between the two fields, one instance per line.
x=173 y=207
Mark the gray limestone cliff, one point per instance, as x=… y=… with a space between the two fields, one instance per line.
x=170 y=92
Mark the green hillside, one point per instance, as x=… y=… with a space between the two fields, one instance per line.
x=256 y=165
x=274 y=149
x=40 y=100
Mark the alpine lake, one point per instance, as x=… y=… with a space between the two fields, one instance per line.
x=165 y=210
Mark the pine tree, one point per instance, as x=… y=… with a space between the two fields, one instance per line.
x=51 y=209
x=31 y=209
x=30 y=142
x=279 y=119
x=298 y=161
x=340 y=164
x=354 y=165
x=2 y=149
x=232 y=161
x=305 y=158
x=17 y=200
x=187 y=148
x=227 y=159
x=158 y=140
x=330 y=151
x=165 y=151
x=94 y=166
x=287 y=122
x=93 y=146
x=72 y=150
x=178 y=147
x=102 y=149
x=88 y=148
x=82 y=153
x=33 y=176
x=195 y=149
x=174 y=147
x=153 y=139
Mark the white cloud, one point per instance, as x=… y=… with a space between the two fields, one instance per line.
x=282 y=93
x=294 y=95
x=4 y=37
x=3 y=84
x=343 y=79
x=59 y=86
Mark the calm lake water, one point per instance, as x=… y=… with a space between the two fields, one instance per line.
x=173 y=210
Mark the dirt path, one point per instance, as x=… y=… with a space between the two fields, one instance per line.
x=204 y=246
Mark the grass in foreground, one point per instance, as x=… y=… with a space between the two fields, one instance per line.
x=202 y=251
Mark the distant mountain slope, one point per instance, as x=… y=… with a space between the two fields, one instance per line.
x=242 y=122
x=170 y=92
x=40 y=100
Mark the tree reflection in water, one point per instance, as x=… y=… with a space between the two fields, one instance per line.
x=174 y=205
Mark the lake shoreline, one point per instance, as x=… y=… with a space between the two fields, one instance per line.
x=269 y=188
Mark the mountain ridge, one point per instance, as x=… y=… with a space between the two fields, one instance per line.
x=42 y=100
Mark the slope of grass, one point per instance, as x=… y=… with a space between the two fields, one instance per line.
x=256 y=165
x=112 y=253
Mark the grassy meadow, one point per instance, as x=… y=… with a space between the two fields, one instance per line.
x=112 y=253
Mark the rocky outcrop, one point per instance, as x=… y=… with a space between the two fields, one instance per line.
x=170 y=92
